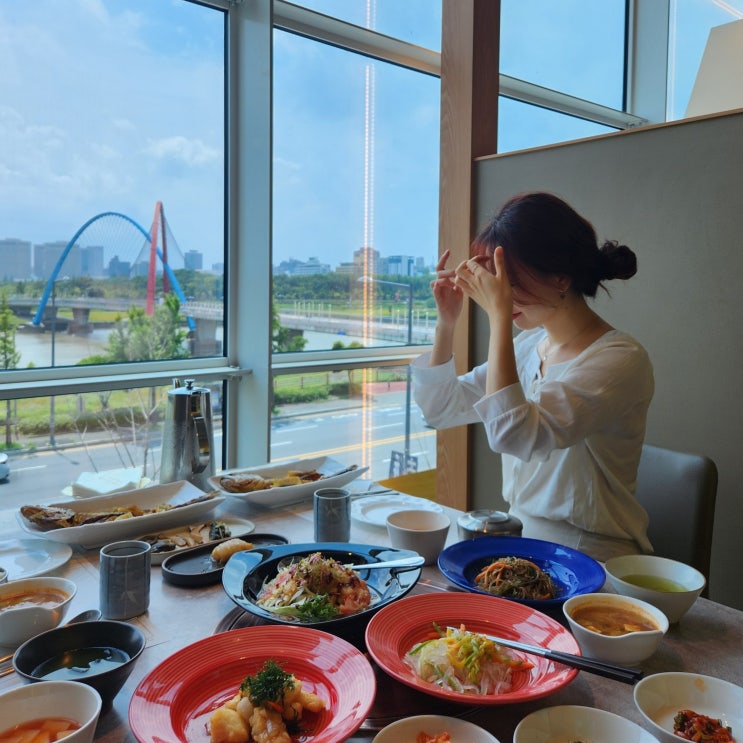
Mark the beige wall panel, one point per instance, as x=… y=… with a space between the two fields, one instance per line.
x=674 y=194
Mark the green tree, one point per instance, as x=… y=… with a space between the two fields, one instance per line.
x=284 y=340
x=138 y=337
x=9 y=356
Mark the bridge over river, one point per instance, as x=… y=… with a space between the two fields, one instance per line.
x=208 y=319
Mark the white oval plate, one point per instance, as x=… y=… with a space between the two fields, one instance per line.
x=284 y=496
x=27 y=558
x=375 y=509
x=97 y=534
x=237 y=527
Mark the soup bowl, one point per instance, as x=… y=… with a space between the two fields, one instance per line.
x=670 y=585
x=54 y=699
x=617 y=629
x=32 y=605
x=101 y=654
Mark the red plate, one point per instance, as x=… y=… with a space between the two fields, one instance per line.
x=396 y=628
x=175 y=700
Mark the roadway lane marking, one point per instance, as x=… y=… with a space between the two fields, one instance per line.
x=26 y=469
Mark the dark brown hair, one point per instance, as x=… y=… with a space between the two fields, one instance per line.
x=543 y=235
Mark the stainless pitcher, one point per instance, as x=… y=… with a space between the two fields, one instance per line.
x=188 y=436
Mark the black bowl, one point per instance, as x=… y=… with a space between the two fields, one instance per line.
x=119 y=636
x=246 y=572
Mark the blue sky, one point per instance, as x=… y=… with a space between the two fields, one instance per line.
x=112 y=105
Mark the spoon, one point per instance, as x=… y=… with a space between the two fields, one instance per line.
x=407 y=563
x=90 y=615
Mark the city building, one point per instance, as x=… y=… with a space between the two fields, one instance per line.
x=15 y=259
x=193 y=260
x=92 y=261
x=47 y=255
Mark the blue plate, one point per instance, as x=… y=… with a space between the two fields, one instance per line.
x=572 y=571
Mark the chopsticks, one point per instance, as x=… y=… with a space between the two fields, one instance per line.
x=591 y=665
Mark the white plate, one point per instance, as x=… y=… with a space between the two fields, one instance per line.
x=27 y=558
x=237 y=528
x=95 y=535
x=275 y=497
x=375 y=509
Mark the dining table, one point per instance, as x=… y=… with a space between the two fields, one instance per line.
x=707 y=640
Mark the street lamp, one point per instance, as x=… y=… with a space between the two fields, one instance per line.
x=409 y=287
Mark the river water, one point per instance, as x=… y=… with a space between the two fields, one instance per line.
x=37 y=348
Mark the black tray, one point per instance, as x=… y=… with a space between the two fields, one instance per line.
x=195 y=567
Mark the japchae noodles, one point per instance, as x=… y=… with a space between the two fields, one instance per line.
x=516 y=577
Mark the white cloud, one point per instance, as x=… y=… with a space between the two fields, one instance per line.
x=191 y=152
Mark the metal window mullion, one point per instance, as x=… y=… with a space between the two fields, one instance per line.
x=346 y=35
x=553 y=100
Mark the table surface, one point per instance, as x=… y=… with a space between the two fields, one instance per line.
x=708 y=640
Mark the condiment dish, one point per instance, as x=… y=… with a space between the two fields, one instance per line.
x=660 y=697
x=670 y=585
x=77 y=652
x=407 y=730
x=576 y=723
x=609 y=613
x=32 y=605
x=53 y=699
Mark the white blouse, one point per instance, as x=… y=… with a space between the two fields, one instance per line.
x=571 y=440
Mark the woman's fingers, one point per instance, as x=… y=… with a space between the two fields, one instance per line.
x=441 y=265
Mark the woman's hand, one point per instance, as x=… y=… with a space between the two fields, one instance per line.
x=448 y=295
x=491 y=291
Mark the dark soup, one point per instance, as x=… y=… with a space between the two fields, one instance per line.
x=83 y=662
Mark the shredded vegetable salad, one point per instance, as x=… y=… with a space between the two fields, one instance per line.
x=516 y=577
x=315 y=587
x=463 y=661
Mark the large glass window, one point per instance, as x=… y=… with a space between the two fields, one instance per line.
x=574 y=46
x=111 y=175
x=355 y=221
x=689 y=28
x=112 y=224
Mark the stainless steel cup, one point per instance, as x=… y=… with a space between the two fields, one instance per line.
x=124 y=579
x=332 y=515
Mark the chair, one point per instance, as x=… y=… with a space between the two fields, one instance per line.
x=678 y=491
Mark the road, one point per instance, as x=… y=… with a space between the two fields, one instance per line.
x=40 y=476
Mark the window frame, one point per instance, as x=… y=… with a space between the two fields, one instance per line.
x=248 y=365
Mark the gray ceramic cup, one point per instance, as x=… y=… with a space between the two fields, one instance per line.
x=124 y=579
x=332 y=515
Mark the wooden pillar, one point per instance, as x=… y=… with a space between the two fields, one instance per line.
x=469 y=129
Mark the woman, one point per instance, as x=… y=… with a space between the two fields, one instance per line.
x=565 y=403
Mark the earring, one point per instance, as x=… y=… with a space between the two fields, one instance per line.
x=563 y=294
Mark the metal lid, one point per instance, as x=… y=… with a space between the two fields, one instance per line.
x=490 y=522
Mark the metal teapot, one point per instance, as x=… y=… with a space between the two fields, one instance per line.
x=188 y=436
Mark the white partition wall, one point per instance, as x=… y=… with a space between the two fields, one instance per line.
x=674 y=194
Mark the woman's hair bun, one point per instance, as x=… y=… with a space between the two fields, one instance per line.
x=616 y=261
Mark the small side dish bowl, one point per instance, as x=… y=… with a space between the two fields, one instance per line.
x=612 y=619
x=63 y=699
x=408 y=729
x=670 y=585
x=660 y=697
x=32 y=605
x=422 y=531
x=573 y=722
x=107 y=650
